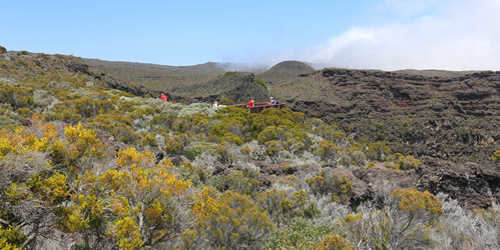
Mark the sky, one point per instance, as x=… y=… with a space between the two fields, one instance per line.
x=362 y=34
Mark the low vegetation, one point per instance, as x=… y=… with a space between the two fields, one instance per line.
x=101 y=168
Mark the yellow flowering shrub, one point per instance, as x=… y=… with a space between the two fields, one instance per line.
x=411 y=200
x=334 y=242
x=236 y=221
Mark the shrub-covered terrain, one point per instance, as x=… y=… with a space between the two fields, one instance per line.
x=86 y=166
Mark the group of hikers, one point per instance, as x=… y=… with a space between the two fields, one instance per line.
x=250 y=104
x=272 y=101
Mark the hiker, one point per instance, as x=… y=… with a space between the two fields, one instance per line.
x=164 y=97
x=250 y=103
x=215 y=104
x=272 y=101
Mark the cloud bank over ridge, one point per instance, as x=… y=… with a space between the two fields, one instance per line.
x=456 y=35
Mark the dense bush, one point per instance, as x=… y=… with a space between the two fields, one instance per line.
x=261 y=81
x=406 y=221
x=17 y=97
x=300 y=234
x=226 y=101
x=327 y=183
x=236 y=222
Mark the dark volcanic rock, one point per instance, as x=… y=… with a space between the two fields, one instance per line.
x=473 y=185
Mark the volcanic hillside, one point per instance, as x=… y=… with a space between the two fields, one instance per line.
x=452 y=118
x=284 y=72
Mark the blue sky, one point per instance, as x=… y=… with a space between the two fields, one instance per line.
x=381 y=34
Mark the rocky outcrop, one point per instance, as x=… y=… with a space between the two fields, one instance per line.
x=473 y=185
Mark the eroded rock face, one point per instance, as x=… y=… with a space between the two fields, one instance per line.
x=473 y=185
x=350 y=93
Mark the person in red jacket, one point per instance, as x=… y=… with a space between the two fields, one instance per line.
x=250 y=103
x=164 y=97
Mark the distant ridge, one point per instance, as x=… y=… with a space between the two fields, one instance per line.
x=435 y=72
x=154 y=76
x=199 y=69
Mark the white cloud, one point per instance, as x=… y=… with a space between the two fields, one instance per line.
x=459 y=35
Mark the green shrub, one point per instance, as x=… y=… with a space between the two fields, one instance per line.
x=223 y=154
x=192 y=151
x=22 y=53
x=164 y=121
x=377 y=152
x=496 y=156
x=149 y=140
x=17 y=97
x=237 y=222
x=401 y=162
x=261 y=82
x=230 y=73
x=283 y=205
x=241 y=182
x=327 y=183
x=334 y=242
x=226 y=101
x=11 y=238
x=24 y=112
x=198 y=175
x=301 y=234
x=330 y=152
x=2 y=50
x=5 y=122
